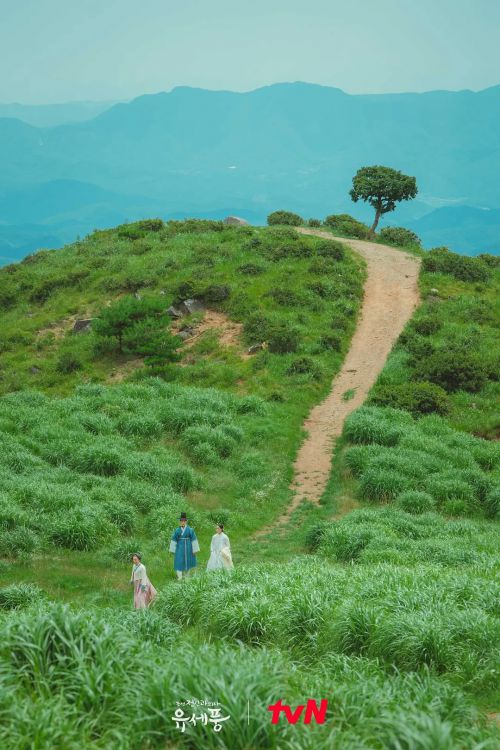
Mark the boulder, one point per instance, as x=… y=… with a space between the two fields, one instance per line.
x=185 y=334
x=35 y=370
x=82 y=326
x=235 y=221
x=190 y=306
x=174 y=312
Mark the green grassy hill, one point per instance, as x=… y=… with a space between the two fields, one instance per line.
x=383 y=600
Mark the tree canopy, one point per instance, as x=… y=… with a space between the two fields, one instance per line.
x=382 y=188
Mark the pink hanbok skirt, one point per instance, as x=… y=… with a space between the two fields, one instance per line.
x=143 y=599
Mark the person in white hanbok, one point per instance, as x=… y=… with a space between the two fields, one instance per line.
x=220 y=551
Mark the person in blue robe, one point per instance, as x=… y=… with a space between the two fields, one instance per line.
x=184 y=545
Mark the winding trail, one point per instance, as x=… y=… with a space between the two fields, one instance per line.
x=390 y=297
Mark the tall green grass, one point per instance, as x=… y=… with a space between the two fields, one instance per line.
x=70 y=679
x=393 y=455
x=81 y=472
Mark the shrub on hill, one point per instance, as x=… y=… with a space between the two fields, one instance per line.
x=417 y=398
x=314 y=223
x=346 y=225
x=286 y=218
x=399 y=237
x=452 y=369
x=442 y=260
x=231 y=268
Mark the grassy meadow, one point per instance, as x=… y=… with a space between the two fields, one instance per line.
x=384 y=600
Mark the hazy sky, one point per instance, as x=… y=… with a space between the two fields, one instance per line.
x=61 y=50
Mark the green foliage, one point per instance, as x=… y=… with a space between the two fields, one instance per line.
x=492 y=503
x=68 y=363
x=427 y=326
x=130 y=321
x=283 y=338
x=20 y=595
x=398 y=459
x=81 y=472
x=303 y=366
x=382 y=188
x=417 y=398
x=111 y=680
x=314 y=223
x=442 y=260
x=347 y=225
x=286 y=218
x=399 y=237
x=453 y=369
x=376 y=425
x=331 y=342
x=251 y=269
x=415 y=501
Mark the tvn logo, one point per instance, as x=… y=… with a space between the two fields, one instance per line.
x=292 y=716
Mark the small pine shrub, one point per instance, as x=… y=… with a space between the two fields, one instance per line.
x=415 y=501
x=314 y=223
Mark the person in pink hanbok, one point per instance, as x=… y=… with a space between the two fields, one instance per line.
x=144 y=591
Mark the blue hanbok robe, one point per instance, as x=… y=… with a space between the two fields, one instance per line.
x=184 y=544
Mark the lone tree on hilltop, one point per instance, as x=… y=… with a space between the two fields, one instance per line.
x=382 y=188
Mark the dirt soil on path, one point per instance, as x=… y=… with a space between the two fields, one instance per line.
x=390 y=297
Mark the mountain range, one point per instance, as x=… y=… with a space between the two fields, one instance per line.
x=193 y=152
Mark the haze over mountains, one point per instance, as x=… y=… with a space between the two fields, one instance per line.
x=193 y=152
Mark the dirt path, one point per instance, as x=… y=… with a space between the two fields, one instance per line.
x=390 y=296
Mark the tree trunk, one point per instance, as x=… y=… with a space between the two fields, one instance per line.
x=373 y=227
